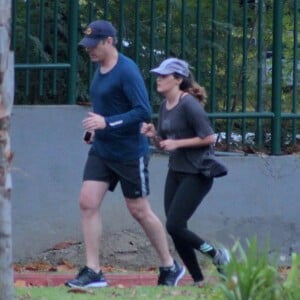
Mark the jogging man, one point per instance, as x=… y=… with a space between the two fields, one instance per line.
x=118 y=153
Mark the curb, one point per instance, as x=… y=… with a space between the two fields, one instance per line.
x=126 y=280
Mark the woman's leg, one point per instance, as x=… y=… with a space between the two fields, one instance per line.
x=183 y=194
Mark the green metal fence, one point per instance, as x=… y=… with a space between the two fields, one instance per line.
x=244 y=52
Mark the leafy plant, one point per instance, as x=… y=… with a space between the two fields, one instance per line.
x=291 y=286
x=251 y=275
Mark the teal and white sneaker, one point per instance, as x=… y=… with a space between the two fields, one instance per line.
x=221 y=259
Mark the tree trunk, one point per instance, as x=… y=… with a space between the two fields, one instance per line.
x=6 y=103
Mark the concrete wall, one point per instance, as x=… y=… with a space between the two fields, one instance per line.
x=259 y=197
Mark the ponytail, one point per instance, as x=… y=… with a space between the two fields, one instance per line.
x=190 y=86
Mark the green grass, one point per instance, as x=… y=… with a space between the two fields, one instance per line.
x=209 y=292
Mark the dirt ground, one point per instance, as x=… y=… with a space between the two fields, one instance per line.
x=123 y=250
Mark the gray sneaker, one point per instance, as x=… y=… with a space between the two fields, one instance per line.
x=87 y=278
x=170 y=276
x=222 y=258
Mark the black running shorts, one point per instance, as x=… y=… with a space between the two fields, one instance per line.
x=133 y=175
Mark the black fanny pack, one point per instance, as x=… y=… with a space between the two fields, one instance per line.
x=211 y=167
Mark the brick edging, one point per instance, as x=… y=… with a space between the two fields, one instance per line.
x=127 y=280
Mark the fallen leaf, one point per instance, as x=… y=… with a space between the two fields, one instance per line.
x=65 y=268
x=80 y=291
x=149 y=269
x=180 y=293
x=64 y=245
x=65 y=265
x=40 y=266
x=18 y=268
x=20 y=283
x=112 y=269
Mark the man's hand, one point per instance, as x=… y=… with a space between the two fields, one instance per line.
x=88 y=137
x=93 y=122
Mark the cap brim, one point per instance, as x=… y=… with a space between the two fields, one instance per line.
x=160 y=71
x=89 y=42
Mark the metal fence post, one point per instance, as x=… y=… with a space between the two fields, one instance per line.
x=73 y=34
x=276 y=77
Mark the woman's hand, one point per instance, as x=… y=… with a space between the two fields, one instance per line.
x=148 y=130
x=169 y=145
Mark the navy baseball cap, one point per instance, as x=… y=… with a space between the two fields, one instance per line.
x=96 y=31
x=171 y=66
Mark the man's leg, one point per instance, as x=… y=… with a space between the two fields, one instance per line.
x=141 y=210
x=91 y=196
x=170 y=271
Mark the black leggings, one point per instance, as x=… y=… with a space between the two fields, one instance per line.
x=183 y=194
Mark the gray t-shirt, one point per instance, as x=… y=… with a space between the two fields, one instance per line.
x=187 y=119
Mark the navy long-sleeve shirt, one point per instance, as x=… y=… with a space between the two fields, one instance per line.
x=120 y=96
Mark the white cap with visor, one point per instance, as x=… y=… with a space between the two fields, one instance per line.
x=171 y=66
